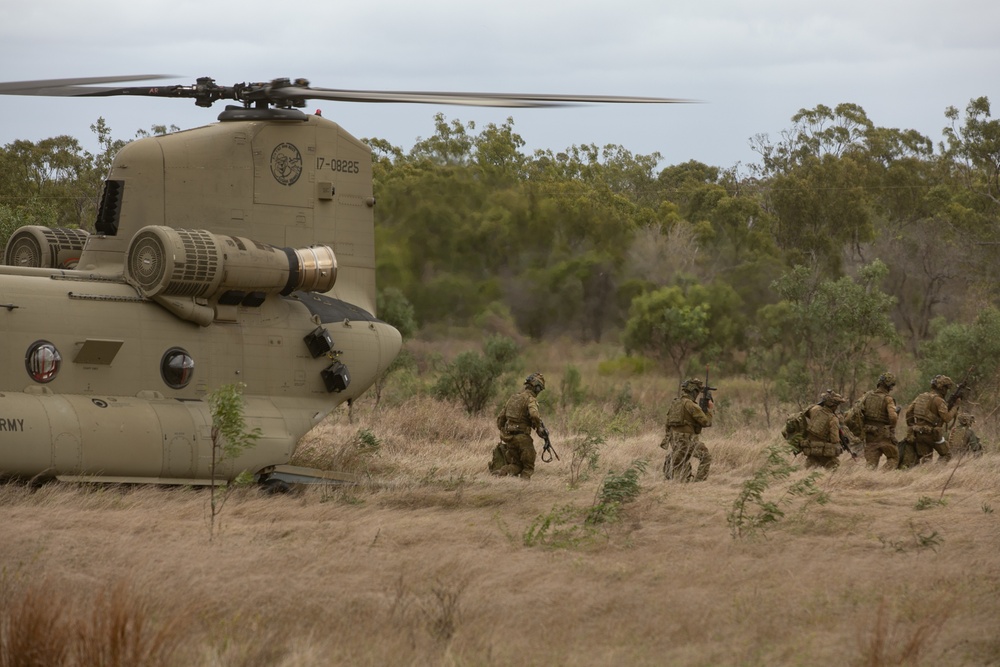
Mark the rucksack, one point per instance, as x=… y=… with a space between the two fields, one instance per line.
x=794 y=431
x=854 y=419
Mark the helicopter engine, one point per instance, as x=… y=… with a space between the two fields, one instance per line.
x=194 y=262
x=45 y=247
x=174 y=266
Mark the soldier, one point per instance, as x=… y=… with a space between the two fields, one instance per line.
x=515 y=421
x=822 y=443
x=926 y=418
x=963 y=440
x=684 y=422
x=879 y=414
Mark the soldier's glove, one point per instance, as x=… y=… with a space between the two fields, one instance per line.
x=543 y=432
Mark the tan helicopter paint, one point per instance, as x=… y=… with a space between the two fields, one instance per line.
x=248 y=184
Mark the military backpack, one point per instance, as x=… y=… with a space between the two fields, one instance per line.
x=795 y=431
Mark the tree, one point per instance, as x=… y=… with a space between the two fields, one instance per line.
x=55 y=170
x=957 y=347
x=450 y=145
x=666 y=325
x=974 y=149
x=838 y=325
x=929 y=276
x=472 y=377
x=230 y=437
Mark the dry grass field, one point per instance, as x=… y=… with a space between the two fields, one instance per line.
x=431 y=561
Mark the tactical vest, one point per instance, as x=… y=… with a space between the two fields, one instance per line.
x=676 y=414
x=922 y=409
x=678 y=417
x=874 y=406
x=515 y=417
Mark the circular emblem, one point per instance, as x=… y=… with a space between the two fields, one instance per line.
x=286 y=163
x=99 y=403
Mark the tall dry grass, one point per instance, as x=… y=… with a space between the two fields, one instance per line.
x=427 y=562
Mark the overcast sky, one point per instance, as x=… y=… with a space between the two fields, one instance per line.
x=752 y=64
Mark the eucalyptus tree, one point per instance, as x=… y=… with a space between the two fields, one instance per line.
x=666 y=325
x=835 y=328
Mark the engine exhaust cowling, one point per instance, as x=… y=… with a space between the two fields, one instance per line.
x=163 y=261
x=45 y=247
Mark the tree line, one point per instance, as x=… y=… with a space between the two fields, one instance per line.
x=843 y=245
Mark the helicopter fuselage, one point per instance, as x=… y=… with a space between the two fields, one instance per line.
x=242 y=252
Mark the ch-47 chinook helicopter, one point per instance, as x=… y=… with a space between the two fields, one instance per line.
x=242 y=251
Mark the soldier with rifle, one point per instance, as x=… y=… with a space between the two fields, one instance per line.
x=926 y=418
x=515 y=455
x=685 y=420
x=963 y=441
x=878 y=413
x=824 y=438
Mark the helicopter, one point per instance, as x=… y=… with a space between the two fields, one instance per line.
x=238 y=252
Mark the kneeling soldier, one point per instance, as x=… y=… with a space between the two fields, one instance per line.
x=684 y=423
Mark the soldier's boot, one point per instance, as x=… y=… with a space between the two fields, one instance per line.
x=872 y=457
x=703 y=466
x=509 y=471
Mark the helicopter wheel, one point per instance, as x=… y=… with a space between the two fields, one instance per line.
x=40 y=480
x=272 y=486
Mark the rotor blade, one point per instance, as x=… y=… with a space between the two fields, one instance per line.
x=284 y=92
x=71 y=87
x=470 y=99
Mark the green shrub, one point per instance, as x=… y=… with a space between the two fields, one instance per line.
x=617 y=490
x=752 y=512
x=472 y=378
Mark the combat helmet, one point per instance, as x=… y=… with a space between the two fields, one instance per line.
x=831 y=398
x=692 y=386
x=966 y=419
x=536 y=382
x=942 y=383
x=887 y=380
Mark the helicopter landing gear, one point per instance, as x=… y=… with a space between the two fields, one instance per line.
x=272 y=486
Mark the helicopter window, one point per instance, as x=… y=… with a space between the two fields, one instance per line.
x=43 y=361
x=177 y=368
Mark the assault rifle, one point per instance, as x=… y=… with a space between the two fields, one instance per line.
x=961 y=389
x=548 y=449
x=706 y=393
x=845 y=442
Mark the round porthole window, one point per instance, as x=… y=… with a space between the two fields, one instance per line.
x=177 y=368
x=42 y=361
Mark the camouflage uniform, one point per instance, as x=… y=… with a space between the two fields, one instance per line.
x=926 y=418
x=684 y=423
x=963 y=440
x=878 y=410
x=822 y=443
x=515 y=421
